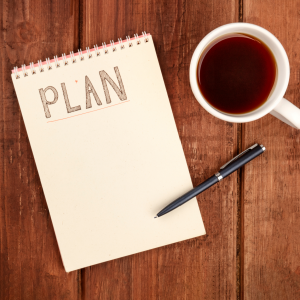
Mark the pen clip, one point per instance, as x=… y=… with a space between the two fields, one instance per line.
x=239 y=155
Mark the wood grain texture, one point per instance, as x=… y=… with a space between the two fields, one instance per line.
x=201 y=268
x=30 y=262
x=205 y=267
x=271 y=182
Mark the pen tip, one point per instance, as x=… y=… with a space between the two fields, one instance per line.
x=155 y=217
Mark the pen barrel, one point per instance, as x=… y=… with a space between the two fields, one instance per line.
x=226 y=171
x=241 y=161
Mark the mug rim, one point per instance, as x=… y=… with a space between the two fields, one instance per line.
x=260 y=111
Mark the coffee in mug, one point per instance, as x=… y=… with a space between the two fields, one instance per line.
x=236 y=73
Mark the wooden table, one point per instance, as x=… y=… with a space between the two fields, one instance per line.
x=252 y=219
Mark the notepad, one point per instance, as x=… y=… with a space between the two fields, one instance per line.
x=107 y=151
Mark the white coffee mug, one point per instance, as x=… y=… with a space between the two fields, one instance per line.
x=275 y=104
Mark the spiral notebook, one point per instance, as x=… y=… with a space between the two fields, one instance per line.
x=107 y=151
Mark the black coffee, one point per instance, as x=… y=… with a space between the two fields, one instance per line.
x=236 y=73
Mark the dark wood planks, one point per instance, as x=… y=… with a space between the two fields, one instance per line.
x=271 y=183
x=30 y=263
x=205 y=267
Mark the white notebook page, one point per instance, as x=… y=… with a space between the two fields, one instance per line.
x=107 y=168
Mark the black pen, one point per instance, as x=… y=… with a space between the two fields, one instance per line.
x=234 y=164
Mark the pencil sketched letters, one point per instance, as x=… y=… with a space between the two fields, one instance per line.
x=89 y=89
x=69 y=108
x=120 y=91
x=45 y=101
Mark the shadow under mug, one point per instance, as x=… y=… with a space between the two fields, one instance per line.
x=275 y=104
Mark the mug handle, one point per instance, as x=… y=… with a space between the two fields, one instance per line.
x=287 y=113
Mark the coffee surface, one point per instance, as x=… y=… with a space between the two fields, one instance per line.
x=236 y=73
